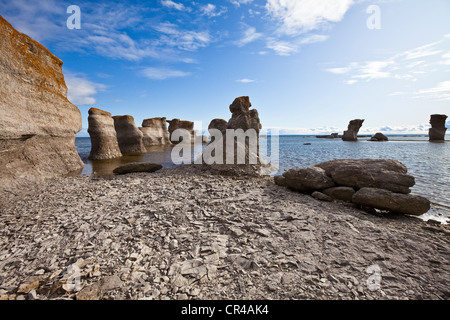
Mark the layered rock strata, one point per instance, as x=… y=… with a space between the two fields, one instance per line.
x=38 y=123
x=155 y=132
x=103 y=135
x=129 y=137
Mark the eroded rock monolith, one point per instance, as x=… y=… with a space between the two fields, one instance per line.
x=155 y=132
x=103 y=135
x=176 y=124
x=438 y=129
x=129 y=137
x=352 y=132
x=38 y=124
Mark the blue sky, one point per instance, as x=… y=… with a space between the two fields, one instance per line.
x=308 y=66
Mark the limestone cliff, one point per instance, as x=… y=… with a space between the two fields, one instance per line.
x=38 y=124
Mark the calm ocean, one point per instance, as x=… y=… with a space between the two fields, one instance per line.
x=427 y=162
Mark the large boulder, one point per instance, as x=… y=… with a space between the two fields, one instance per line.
x=379 y=137
x=137 y=167
x=353 y=128
x=306 y=179
x=38 y=123
x=371 y=173
x=438 y=129
x=176 y=124
x=103 y=135
x=155 y=132
x=395 y=202
x=130 y=138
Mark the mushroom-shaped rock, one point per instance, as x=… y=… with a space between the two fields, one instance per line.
x=103 y=135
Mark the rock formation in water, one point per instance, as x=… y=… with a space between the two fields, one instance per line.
x=374 y=183
x=181 y=124
x=438 y=129
x=129 y=137
x=379 y=137
x=38 y=124
x=352 y=132
x=103 y=135
x=219 y=124
x=155 y=132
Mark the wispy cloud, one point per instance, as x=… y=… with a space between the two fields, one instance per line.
x=299 y=16
x=245 y=80
x=211 y=10
x=238 y=3
x=408 y=65
x=174 y=5
x=82 y=91
x=282 y=48
x=163 y=73
x=188 y=40
x=250 y=35
x=440 y=92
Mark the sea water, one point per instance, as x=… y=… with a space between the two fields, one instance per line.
x=428 y=162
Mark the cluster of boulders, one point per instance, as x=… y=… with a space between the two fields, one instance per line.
x=373 y=183
x=38 y=124
x=111 y=137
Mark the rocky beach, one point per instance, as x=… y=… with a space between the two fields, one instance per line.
x=182 y=233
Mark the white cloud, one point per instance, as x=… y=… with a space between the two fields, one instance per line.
x=82 y=91
x=298 y=16
x=183 y=39
x=174 y=5
x=163 y=73
x=210 y=10
x=314 y=38
x=282 y=48
x=441 y=92
x=245 y=80
x=250 y=35
x=410 y=65
x=238 y=3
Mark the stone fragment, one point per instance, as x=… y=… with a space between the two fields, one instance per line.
x=321 y=196
x=137 y=167
x=308 y=179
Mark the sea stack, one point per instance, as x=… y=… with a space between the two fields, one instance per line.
x=38 y=124
x=129 y=137
x=246 y=121
x=353 y=128
x=438 y=129
x=103 y=135
x=155 y=132
x=176 y=124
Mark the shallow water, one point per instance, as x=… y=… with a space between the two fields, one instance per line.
x=427 y=162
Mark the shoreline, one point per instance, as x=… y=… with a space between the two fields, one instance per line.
x=179 y=234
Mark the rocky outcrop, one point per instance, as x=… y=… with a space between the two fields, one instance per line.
x=137 y=167
x=129 y=137
x=438 y=129
x=395 y=202
x=176 y=124
x=374 y=183
x=103 y=135
x=352 y=132
x=379 y=137
x=155 y=132
x=38 y=124
x=241 y=157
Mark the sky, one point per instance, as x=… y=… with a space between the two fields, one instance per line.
x=308 y=66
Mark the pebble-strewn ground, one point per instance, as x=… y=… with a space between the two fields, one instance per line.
x=179 y=235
